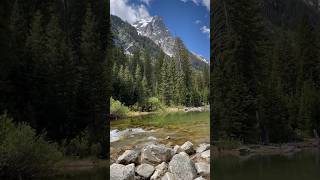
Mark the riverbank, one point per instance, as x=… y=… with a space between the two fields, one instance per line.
x=271 y=149
x=131 y=114
x=158 y=161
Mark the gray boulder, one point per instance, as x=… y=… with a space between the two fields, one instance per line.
x=206 y=155
x=176 y=149
x=156 y=154
x=203 y=168
x=169 y=176
x=122 y=172
x=202 y=148
x=200 y=178
x=161 y=169
x=187 y=147
x=145 y=170
x=129 y=156
x=182 y=167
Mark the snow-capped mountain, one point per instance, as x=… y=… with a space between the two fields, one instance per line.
x=151 y=33
x=156 y=30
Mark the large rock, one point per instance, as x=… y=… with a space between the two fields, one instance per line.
x=156 y=154
x=187 y=147
x=182 y=167
x=202 y=148
x=129 y=156
x=206 y=155
x=203 y=168
x=200 y=178
x=122 y=172
x=145 y=170
x=161 y=169
x=176 y=149
x=169 y=176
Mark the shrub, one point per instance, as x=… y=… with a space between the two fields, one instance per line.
x=117 y=108
x=79 y=146
x=152 y=104
x=23 y=154
x=95 y=149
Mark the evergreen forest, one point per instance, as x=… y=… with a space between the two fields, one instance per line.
x=265 y=70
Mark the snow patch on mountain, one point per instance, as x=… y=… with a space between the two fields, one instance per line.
x=156 y=30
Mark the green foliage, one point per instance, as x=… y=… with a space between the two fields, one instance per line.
x=23 y=154
x=117 y=108
x=152 y=104
x=79 y=146
x=264 y=85
x=172 y=80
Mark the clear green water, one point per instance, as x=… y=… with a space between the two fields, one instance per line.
x=180 y=127
x=302 y=166
x=192 y=126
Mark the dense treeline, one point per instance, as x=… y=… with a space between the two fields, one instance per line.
x=264 y=77
x=140 y=78
x=55 y=66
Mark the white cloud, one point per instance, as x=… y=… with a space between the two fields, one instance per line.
x=197 y=21
x=147 y=2
x=127 y=12
x=205 y=3
x=205 y=30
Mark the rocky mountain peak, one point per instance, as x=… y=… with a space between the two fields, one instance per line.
x=154 y=28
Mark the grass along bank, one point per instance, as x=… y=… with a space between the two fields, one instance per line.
x=151 y=106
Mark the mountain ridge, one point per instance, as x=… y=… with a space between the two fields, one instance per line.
x=150 y=32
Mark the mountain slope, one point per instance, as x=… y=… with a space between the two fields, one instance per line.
x=155 y=29
x=150 y=33
x=126 y=37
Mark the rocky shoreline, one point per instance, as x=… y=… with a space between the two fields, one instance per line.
x=160 y=162
x=271 y=149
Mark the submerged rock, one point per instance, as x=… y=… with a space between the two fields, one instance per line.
x=129 y=156
x=116 y=135
x=152 y=138
x=244 y=151
x=122 y=172
x=156 y=154
x=145 y=170
x=182 y=167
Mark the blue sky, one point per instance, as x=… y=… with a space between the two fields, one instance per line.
x=187 y=19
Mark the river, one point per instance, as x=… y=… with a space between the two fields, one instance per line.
x=304 y=165
x=167 y=128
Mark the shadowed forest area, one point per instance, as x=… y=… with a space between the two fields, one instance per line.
x=55 y=83
x=265 y=71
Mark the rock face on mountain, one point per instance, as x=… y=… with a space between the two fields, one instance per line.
x=155 y=29
x=127 y=37
x=149 y=32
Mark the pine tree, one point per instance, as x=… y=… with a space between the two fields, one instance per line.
x=236 y=69
x=165 y=88
x=62 y=81
x=185 y=65
x=148 y=73
x=94 y=87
